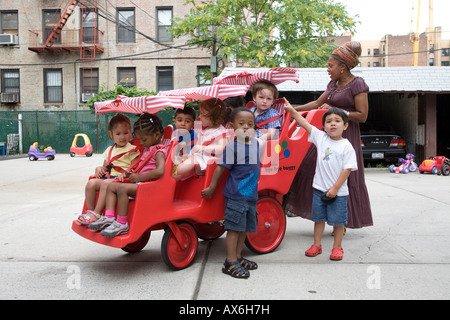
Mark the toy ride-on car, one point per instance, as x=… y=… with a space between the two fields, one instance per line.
x=34 y=152
x=437 y=165
x=407 y=165
x=178 y=208
x=85 y=150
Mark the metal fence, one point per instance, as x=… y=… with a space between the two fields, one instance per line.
x=58 y=128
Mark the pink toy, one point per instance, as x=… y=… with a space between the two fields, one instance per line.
x=406 y=166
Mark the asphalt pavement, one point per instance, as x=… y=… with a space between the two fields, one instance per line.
x=405 y=255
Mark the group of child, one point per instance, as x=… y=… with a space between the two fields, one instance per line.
x=336 y=159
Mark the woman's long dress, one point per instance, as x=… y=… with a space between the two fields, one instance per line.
x=359 y=211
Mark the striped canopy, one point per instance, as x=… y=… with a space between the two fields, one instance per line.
x=221 y=91
x=274 y=75
x=151 y=104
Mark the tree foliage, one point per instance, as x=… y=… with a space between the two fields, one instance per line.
x=265 y=33
x=104 y=95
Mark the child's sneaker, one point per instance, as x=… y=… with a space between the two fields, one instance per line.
x=101 y=223
x=115 y=229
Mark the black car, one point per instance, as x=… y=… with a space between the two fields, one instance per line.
x=380 y=142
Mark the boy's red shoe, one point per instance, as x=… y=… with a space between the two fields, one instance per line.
x=313 y=251
x=337 y=254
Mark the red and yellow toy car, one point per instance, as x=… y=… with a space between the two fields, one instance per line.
x=437 y=165
x=85 y=150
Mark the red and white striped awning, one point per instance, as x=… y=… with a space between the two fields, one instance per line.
x=274 y=75
x=151 y=104
x=221 y=91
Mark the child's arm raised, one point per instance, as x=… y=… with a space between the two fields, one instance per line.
x=209 y=191
x=297 y=117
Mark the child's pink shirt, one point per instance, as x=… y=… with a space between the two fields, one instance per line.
x=151 y=164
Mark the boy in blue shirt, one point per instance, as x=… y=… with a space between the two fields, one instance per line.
x=241 y=158
x=267 y=119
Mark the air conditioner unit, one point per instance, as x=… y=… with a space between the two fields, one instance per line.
x=9 y=97
x=86 y=96
x=9 y=39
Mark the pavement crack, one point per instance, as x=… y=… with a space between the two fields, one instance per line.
x=202 y=271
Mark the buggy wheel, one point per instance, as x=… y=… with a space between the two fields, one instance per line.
x=50 y=157
x=209 y=231
x=139 y=244
x=88 y=154
x=72 y=154
x=179 y=246
x=271 y=226
x=435 y=170
x=32 y=158
x=445 y=169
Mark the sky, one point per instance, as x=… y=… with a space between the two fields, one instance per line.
x=382 y=17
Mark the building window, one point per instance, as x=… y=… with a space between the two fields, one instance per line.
x=376 y=52
x=9 y=22
x=53 y=88
x=126 y=26
x=165 y=78
x=446 y=52
x=50 y=21
x=89 y=26
x=445 y=63
x=164 y=23
x=126 y=77
x=203 y=76
x=431 y=62
x=89 y=83
x=10 y=81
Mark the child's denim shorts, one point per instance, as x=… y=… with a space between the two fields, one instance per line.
x=334 y=213
x=240 y=215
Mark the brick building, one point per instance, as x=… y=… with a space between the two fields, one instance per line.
x=100 y=43
x=396 y=51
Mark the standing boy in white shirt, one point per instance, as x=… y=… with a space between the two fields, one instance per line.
x=336 y=158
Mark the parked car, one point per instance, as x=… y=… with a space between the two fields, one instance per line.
x=380 y=142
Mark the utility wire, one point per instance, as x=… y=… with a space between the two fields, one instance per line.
x=109 y=17
x=123 y=57
x=404 y=53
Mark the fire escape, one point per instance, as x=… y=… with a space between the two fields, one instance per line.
x=87 y=40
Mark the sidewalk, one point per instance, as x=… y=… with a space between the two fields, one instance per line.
x=405 y=255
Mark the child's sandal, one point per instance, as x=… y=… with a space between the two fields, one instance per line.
x=235 y=269
x=88 y=217
x=247 y=264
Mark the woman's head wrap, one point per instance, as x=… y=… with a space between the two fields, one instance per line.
x=348 y=54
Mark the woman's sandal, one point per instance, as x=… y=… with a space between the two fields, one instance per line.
x=247 y=264
x=88 y=217
x=235 y=269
